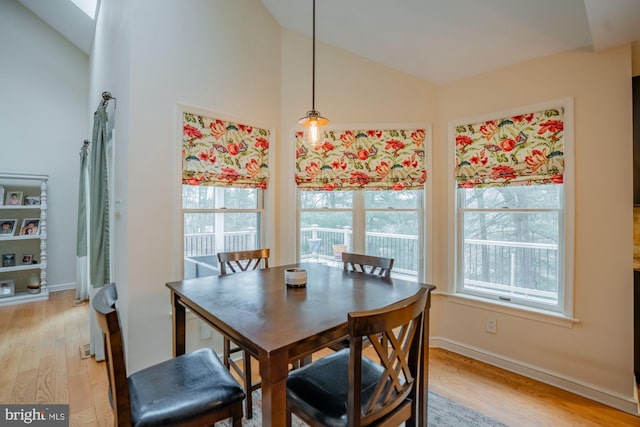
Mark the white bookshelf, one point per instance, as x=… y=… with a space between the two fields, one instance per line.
x=16 y=272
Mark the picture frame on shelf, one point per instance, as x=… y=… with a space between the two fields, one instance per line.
x=1 y=195
x=7 y=288
x=7 y=227
x=8 y=260
x=31 y=200
x=13 y=198
x=27 y=258
x=30 y=226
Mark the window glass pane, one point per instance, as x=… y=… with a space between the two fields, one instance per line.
x=514 y=197
x=208 y=197
x=324 y=234
x=240 y=198
x=326 y=199
x=512 y=255
x=198 y=197
x=328 y=220
x=206 y=234
x=530 y=227
x=394 y=235
x=408 y=199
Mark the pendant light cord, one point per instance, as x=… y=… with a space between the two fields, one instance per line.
x=313 y=61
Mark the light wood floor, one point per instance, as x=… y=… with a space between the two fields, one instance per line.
x=40 y=363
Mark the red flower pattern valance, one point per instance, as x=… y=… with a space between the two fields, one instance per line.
x=523 y=149
x=223 y=153
x=389 y=159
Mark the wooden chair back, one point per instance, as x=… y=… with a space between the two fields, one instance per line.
x=367 y=264
x=397 y=334
x=104 y=305
x=234 y=262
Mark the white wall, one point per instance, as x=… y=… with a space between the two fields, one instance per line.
x=595 y=356
x=220 y=56
x=43 y=106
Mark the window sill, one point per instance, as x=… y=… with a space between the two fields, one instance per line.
x=529 y=313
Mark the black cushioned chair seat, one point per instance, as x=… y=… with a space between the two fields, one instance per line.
x=180 y=389
x=322 y=387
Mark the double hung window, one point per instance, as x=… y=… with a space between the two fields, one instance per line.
x=512 y=240
x=218 y=219
x=224 y=177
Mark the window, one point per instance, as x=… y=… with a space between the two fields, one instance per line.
x=224 y=174
x=219 y=219
x=380 y=223
x=510 y=243
x=511 y=209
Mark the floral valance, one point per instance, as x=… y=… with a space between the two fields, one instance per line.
x=517 y=150
x=389 y=159
x=223 y=153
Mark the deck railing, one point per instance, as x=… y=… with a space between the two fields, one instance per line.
x=326 y=244
x=506 y=268
x=522 y=269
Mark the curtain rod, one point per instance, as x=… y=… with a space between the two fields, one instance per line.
x=106 y=97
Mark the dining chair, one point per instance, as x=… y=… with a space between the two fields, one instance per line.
x=234 y=262
x=243 y=260
x=370 y=264
x=367 y=264
x=349 y=388
x=191 y=389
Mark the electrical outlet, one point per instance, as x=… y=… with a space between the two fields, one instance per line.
x=492 y=326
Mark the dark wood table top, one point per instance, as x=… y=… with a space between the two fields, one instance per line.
x=260 y=307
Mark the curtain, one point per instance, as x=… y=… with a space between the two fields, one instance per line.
x=223 y=153
x=524 y=149
x=82 y=261
x=99 y=261
x=93 y=270
x=372 y=159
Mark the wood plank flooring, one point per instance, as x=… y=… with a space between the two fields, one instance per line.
x=40 y=363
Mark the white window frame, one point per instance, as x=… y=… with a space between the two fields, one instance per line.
x=564 y=315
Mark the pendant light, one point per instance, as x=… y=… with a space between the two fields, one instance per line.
x=313 y=121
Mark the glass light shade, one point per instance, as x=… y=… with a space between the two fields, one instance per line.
x=314 y=122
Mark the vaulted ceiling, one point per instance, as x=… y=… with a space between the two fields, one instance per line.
x=439 y=41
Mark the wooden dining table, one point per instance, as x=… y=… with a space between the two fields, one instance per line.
x=277 y=324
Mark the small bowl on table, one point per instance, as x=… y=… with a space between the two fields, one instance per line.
x=295 y=277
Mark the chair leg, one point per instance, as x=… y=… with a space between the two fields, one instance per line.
x=237 y=416
x=226 y=351
x=288 y=419
x=248 y=384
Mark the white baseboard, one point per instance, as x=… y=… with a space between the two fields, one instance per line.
x=61 y=287
x=606 y=397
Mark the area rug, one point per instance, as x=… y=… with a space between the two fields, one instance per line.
x=443 y=412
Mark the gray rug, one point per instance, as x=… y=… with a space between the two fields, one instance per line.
x=443 y=412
